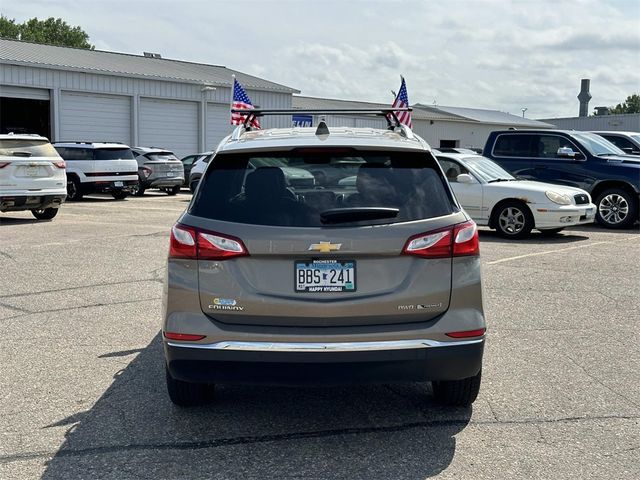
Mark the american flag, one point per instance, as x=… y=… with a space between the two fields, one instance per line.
x=241 y=101
x=402 y=101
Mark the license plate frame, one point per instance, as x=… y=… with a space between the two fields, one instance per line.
x=347 y=285
x=118 y=184
x=32 y=170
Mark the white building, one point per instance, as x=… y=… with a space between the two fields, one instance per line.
x=629 y=122
x=439 y=126
x=70 y=94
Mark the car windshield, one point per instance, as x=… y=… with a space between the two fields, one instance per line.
x=304 y=189
x=27 y=148
x=596 y=144
x=112 y=154
x=486 y=169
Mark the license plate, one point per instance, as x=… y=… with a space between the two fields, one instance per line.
x=324 y=275
x=118 y=184
x=32 y=171
x=590 y=212
x=169 y=174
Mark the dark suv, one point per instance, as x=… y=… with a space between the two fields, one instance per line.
x=578 y=159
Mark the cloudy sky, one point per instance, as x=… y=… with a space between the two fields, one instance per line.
x=503 y=55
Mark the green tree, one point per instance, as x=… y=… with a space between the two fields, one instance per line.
x=8 y=28
x=53 y=31
x=630 y=105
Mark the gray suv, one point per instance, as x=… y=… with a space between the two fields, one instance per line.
x=377 y=280
x=158 y=168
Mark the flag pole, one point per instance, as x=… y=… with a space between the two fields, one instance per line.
x=233 y=84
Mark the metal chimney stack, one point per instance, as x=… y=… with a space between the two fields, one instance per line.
x=584 y=97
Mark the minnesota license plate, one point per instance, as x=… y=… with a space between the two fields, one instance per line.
x=324 y=275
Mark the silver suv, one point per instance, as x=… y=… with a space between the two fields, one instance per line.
x=158 y=168
x=372 y=281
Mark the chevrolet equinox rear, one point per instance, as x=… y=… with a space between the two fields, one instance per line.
x=340 y=280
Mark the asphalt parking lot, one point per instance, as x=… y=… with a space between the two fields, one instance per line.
x=82 y=391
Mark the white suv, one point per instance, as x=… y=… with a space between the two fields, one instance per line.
x=98 y=168
x=32 y=176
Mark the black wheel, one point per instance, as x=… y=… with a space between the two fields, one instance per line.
x=550 y=232
x=186 y=394
x=44 y=213
x=513 y=219
x=459 y=393
x=173 y=190
x=138 y=190
x=119 y=194
x=73 y=189
x=616 y=208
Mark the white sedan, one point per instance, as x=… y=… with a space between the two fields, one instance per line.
x=493 y=197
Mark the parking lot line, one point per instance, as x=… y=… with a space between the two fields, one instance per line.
x=558 y=250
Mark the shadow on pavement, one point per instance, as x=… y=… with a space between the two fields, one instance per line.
x=372 y=431
x=566 y=236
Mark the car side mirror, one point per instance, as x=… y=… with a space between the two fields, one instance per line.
x=566 y=152
x=465 y=178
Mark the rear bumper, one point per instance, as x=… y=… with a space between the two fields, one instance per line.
x=564 y=216
x=337 y=363
x=15 y=203
x=108 y=186
x=163 y=182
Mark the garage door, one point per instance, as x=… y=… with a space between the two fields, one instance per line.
x=22 y=92
x=169 y=124
x=218 y=124
x=95 y=118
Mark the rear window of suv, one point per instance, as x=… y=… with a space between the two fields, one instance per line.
x=313 y=188
x=27 y=148
x=112 y=154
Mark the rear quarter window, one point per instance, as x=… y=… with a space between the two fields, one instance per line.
x=510 y=145
x=296 y=188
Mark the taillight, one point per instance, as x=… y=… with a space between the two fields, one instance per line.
x=60 y=164
x=466 y=240
x=467 y=333
x=146 y=171
x=4 y=164
x=459 y=240
x=189 y=242
x=216 y=247
x=183 y=336
x=182 y=243
x=436 y=244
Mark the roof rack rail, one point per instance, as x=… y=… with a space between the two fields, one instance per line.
x=389 y=113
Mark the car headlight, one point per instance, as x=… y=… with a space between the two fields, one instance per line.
x=558 y=198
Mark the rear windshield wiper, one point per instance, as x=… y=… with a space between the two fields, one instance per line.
x=357 y=214
x=21 y=154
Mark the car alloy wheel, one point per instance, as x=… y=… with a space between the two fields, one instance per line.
x=73 y=190
x=614 y=208
x=512 y=220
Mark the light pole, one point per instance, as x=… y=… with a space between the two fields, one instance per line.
x=523 y=110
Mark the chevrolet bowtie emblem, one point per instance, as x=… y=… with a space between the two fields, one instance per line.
x=325 y=247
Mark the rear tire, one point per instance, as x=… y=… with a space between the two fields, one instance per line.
x=513 y=219
x=616 y=208
x=457 y=393
x=44 y=213
x=73 y=189
x=173 y=190
x=551 y=232
x=138 y=190
x=120 y=194
x=186 y=394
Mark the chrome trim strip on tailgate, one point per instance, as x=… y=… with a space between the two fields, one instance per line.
x=323 y=347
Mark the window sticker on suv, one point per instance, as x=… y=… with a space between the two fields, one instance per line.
x=318 y=189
